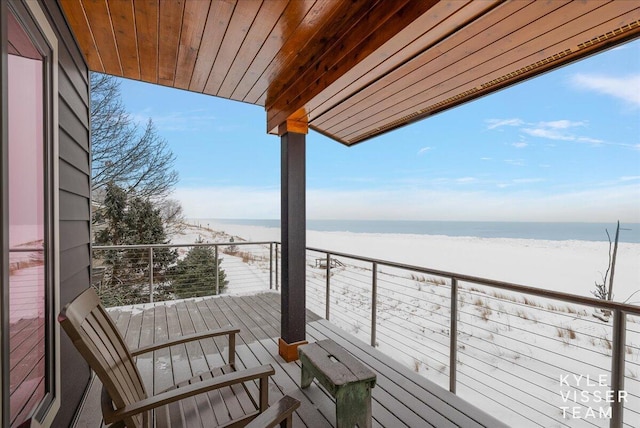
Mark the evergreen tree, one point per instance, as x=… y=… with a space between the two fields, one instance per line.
x=131 y=220
x=195 y=275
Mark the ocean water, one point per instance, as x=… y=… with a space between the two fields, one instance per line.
x=629 y=232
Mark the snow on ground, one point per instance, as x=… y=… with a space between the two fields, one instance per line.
x=527 y=360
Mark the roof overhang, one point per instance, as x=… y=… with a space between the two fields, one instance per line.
x=352 y=69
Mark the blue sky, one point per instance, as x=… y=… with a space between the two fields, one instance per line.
x=564 y=146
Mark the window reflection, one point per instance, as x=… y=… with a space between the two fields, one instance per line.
x=27 y=276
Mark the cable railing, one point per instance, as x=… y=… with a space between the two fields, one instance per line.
x=548 y=358
x=132 y=274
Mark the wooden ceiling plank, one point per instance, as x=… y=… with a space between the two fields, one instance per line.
x=215 y=28
x=264 y=24
x=310 y=27
x=99 y=19
x=500 y=82
x=326 y=37
x=555 y=28
x=459 y=45
x=367 y=33
x=552 y=42
x=443 y=16
x=241 y=23
x=194 y=20
x=74 y=11
x=169 y=29
x=290 y=19
x=147 y=36
x=124 y=29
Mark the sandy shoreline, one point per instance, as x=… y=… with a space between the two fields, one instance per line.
x=568 y=266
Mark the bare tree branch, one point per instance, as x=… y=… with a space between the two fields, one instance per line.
x=139 y=161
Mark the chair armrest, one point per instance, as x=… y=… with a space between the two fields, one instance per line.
x=278 y=412
x=188 y=338
x=188 y=391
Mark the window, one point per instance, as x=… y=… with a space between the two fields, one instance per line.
x=31 y=219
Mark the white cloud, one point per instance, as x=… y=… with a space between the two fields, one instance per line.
x=497 y=123
x=466 y=180
x=551 y=134
x=561 y=124
x=519 y=181
x=424 y=150
x=625 y=88
x=527 y=180
x=486 y=159
x=630 y=178
x=515 y=162
x=520 y=145
x=589 y=140
x=560 y=130
x=593 y=205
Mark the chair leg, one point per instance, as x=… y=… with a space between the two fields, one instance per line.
x=287 y=423
x=232 y=350
x=264 y=394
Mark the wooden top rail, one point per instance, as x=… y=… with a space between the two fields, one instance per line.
x=550 y=294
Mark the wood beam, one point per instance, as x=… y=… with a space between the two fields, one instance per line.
x=357 y=38
x=293 y=229
x=291 y=125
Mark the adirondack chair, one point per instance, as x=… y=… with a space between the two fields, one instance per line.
x=125 y=402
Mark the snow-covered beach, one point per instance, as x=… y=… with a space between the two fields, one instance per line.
x=569 y=266
x=513 y=350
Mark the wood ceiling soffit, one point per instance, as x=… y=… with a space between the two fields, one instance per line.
x=291 y=19
x=308 y=28
x=169 y=27
x=194 y=20
x=147 y=37
x=215 y=28
x=380 y=44
x=263 y=26
x=559 y=32
x=75 y=13
x=353 y=69
x=242 y=20
x=124 y=27
x=332 y=38
x=100 y=23
x=367 y=33
x=431 y=27
x=566 y=46
x=441 y=60
x=321 y=39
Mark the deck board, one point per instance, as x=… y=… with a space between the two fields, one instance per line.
x=400 y=398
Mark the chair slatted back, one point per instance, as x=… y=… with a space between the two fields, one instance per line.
x=96 y=337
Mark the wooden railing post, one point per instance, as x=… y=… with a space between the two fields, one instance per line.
x=617 y=368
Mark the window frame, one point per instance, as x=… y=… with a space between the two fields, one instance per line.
x=35 y=23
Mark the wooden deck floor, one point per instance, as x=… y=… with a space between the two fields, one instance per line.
x=401 y=397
